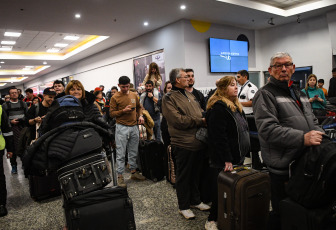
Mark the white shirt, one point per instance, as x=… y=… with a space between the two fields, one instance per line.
x=246 y=93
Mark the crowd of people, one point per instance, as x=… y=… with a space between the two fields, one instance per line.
x=285 y=118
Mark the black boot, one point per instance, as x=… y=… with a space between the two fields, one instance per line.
x=3 y=210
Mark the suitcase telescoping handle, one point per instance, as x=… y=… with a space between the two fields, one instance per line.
x=109 y=151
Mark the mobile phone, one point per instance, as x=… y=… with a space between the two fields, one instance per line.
x=316 y=95
x=133 y=108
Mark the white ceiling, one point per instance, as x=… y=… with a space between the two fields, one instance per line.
x=122 y=20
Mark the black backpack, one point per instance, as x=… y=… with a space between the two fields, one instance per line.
x=312 y=181
x=68 y=110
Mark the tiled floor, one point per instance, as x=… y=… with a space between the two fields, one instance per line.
x=155 y=207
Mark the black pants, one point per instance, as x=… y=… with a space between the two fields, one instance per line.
x=188 y=165
x=214 y=172
x=3 y=191
x=278 y=193
x=16 y=133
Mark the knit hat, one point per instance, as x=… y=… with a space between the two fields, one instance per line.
x=97 y=89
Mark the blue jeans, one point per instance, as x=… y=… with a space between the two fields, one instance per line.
x=126 y=137
x=157 y=129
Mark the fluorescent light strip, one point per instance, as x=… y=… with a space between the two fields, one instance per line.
x=8 y=42
x=61 y=45
x=2 y=84
x=12 y=34
x=53 y=50
x=71 y=38
x=6 y=48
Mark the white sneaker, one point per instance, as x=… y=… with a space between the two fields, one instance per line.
x=201 y=206
x=211 y=225
x=188 y=214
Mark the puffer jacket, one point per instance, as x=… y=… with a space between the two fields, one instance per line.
x=58 y=145
x=281 y=124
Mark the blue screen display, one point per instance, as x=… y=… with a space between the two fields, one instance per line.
x=228 y=55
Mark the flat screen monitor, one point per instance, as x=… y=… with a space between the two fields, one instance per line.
x=228 y=56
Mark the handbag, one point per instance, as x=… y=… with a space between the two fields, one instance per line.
x=202 y=135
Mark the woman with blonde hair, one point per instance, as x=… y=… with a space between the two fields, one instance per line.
x=228 y=137
x=315 y=96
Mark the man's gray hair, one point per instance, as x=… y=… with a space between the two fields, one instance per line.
x=279 y=55
x=174 y=74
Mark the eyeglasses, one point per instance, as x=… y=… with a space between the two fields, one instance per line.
x=280 y=66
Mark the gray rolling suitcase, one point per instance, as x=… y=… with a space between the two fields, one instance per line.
x=84 y=174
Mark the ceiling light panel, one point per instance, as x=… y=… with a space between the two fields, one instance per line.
x=6 y=48
x=53 y=50
x=39 y=45
x=61 y=45
x=12 y=34
x=71 y=38
x=8 y=42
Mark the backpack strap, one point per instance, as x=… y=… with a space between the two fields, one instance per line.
x=307 y=94
x=37 y=109
x=21 y=107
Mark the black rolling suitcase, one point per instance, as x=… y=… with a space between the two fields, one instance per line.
x=107 y=208
x=295 y=216
x=243 y=199
x=152 y=159
x=44 y=187
x=84 y=174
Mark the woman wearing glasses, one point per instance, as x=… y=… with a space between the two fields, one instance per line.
x=228 y=136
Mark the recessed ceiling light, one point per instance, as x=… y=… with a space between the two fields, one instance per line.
x=77 y=15
x=183 y=7
x=6 y=48
x=61 y=45
x=8 y=42
x=12 y=34
x=71 y=38
x=145 y=23
x=53 y=50
x=0 y=66
x=2 y=62
x=44 y=63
